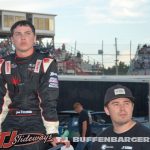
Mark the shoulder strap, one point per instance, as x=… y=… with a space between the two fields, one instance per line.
x=8 y=60
x=37 y=66
x=1 y=62
x=41 y=59
x=7 y=67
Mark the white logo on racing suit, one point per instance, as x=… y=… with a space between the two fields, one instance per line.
x=23 y=112
x=53 y=74
x=53 y=82
x=13 y=65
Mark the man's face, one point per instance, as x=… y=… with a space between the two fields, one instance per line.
x=120 y=110
x=78 y=109
x=23 y=38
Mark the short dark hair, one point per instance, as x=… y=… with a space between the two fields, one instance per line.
x=22 y=23
x=77 y=104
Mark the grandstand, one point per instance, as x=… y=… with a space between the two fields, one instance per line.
x=68 y=63
x=44 y=25
x=140 y=65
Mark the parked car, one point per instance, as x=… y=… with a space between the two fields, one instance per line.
x=144 y=120
x=69 y=122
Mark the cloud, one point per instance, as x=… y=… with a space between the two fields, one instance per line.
x=95 y=11
x=17 y=5
x=144 y=40
x=116 y=11
x=125 y=56
x=63 y=40
x=36 y=5
x=126 y=8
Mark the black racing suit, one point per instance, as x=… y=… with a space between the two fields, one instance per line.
x=28 y=95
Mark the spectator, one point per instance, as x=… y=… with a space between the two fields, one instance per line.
x=63 y=47
x=84 y=126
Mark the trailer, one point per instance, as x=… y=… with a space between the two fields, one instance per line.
x=90 y=91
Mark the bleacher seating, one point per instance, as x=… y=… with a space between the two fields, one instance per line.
x=68 y=63
x=140 y=65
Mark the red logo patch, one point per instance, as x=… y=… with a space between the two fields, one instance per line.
x=46 y=60
x=15 y=81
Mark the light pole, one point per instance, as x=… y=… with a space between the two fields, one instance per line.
x=130 y=51
x=75 y=48
x=102 y=57
x=101 y=52
x=117 y=53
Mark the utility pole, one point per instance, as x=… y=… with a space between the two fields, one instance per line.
x=75 y=48
x=102 y=55
x=101 y=52
x=130 y=51
x=102 y=58
x=116 y=61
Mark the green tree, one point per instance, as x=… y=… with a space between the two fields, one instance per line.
x=122 y=69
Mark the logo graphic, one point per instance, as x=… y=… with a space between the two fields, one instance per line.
x=127 y=147
x=4 y=143
x=105 y=147
x=119 y=91
x=9 y=139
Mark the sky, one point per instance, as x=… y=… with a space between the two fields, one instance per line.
x=88 y=22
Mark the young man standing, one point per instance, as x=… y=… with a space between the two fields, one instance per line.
x=31 y=81
x=84 y=126
x=125 y=134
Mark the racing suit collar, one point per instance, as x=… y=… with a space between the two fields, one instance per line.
x=22 y=60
